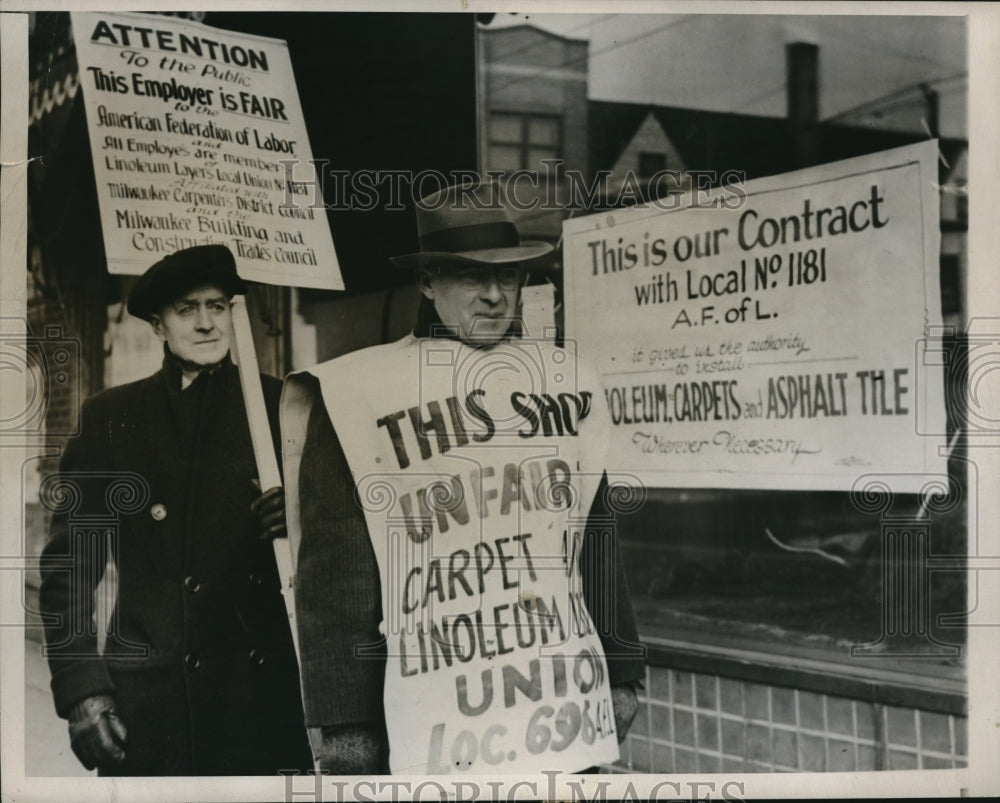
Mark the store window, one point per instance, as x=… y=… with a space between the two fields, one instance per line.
x=522 y=141
x=793 y=572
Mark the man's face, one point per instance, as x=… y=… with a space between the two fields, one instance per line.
x=479 y=301
x=197 y=326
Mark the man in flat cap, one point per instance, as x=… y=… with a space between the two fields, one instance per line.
x=198 y=674
x=460 y=604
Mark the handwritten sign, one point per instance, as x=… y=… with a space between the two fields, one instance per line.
x=769 y=334
x=189 y=128
x=476 y=474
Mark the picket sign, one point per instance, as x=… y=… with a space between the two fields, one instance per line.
x=263 y=446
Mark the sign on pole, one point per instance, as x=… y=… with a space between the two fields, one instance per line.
x=769 y=334
x=198 y=137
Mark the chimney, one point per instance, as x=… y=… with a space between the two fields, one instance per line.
x=802 y=81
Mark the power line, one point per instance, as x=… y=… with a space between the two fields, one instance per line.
x=881 y=102
x=869 y=44
x=531 y=45
x=756 y=99
x=602 y=51
x=645 y=34
x=902 y=97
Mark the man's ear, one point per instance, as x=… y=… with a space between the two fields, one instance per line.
x=157 y=323
x=423 y=281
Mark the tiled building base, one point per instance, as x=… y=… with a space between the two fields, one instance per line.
x=690 y=722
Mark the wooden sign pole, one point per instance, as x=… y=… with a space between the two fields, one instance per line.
x=263 y=446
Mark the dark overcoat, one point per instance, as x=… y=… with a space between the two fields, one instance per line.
x=199 y=655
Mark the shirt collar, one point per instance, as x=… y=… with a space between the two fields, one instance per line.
x=180 y=373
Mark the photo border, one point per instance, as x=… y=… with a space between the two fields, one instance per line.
x=983 y=773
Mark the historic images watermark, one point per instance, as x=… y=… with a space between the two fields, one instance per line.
x=49 y=365
x=908 y=559
x=557 y=188
x=41 y=368
x=556 y=786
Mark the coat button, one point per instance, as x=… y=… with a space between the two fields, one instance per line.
x=158 y=511
x=192 y=585
x=256 y=656
x=191 y=661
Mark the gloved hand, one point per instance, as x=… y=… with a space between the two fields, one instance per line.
x=269 y=508
x=626 y=705
x=96 y=733
x=360 y=749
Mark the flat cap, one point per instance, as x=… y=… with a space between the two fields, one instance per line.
x=181 y=271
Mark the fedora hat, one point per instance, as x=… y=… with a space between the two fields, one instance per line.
x=457 y=226
x=184 y=270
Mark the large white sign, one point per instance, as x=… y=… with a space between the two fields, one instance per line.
x=198 y=137
x=476 y=471
x=769 y=334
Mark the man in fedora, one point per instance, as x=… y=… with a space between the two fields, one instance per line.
x=198 y=674
x=459 y=602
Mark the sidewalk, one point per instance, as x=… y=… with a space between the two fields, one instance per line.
x=46 y=738
x=46 y=741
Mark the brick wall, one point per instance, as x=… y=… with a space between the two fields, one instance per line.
x=692 y=722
